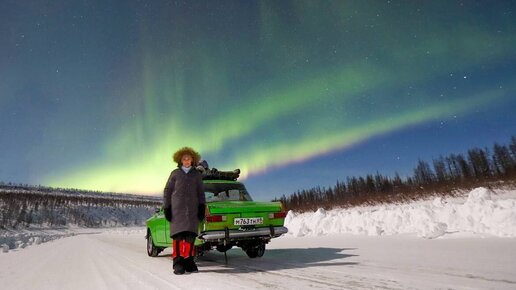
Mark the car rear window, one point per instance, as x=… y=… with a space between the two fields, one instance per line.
x=225 y=192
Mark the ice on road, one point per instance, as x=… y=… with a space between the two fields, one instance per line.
x=117 y=260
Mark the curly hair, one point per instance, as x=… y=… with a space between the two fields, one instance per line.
x=196 y=157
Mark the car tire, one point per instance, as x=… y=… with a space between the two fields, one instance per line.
x=256 y=252
x=152 y=250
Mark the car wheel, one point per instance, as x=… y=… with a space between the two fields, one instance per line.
x=152 y=250
x=261 y=250
x=256 y=252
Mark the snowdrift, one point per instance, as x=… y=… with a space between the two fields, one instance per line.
x=482 y=211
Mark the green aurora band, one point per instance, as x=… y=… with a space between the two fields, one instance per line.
x=290 y=115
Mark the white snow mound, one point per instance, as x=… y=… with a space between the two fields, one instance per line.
x=481 y=212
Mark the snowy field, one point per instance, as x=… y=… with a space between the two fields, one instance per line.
x=383 y=247
x=481 y=211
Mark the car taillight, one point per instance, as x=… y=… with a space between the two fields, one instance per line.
x=216 y=218
x=277 y=215
x=213 y=218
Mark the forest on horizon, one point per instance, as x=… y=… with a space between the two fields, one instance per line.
x=444 y=175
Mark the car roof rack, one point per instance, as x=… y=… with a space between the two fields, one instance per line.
x=214 y=173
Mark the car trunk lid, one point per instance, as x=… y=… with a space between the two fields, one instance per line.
x=243 y=207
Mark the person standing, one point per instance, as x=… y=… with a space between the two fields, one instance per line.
x=184 y=206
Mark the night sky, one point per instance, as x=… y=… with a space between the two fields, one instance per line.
x=99 y=94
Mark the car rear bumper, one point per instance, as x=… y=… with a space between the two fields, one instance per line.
x=236 y=234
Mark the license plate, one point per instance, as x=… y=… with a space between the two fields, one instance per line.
x=248 y=221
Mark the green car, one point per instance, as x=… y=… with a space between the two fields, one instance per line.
x=232 y=219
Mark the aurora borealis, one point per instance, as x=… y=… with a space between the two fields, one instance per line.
x=99 y=95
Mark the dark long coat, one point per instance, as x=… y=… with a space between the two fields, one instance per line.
x=184 y=192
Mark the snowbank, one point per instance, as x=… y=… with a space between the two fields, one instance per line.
x=20 y=239
x=481 y=211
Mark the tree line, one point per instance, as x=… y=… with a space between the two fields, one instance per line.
x=443 y=175
x=24 y=206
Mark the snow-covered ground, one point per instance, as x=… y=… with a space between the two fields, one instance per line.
x=117 y=260
x=481 y=212
x=325 y=250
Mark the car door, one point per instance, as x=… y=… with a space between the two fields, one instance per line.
x=161 y=228
x=168 y=239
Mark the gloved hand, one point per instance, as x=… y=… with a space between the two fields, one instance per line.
x=168 y=213
x=201 y=214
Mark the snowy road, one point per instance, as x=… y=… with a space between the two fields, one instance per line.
x=117 y=260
